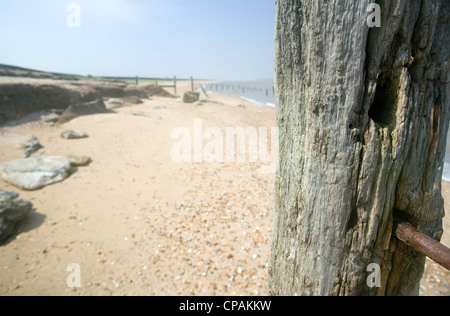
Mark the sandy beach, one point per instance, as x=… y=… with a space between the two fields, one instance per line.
x=138 y=223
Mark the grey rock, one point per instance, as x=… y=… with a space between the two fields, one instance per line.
x=57 y=111
x=30 y=146
x=50 y=118
x=359 y=149
x=191 y=97
x=36 y=172
x=79 y=161
x=116 y=101
x=69 y=134
x=12 y=210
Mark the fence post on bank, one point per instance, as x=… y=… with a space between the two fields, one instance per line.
x=175 y=84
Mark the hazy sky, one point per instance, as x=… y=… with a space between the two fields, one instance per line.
x=214 y=39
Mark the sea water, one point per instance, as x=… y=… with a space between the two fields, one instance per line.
x=261 y=93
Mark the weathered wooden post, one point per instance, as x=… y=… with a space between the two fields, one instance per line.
x=175 y=84
x=363 y=115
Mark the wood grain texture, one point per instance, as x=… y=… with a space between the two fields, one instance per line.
x=363 y=115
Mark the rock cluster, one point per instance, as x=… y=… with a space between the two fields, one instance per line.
x=21 y=96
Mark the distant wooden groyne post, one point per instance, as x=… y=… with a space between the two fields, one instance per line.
x=174 y=86
x=192 y=83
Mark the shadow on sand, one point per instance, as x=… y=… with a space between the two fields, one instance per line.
x=32 y=221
